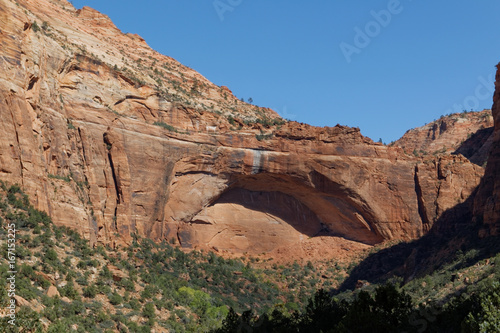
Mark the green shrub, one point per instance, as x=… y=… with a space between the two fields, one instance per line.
x=135 y=304
x=75 y=308
x=115 y=299
x=69 y=291
x=51 y=255
x=166 y=126
x=105 y=273
x=82 y=280
x=261 y=137
x=149 y=310
x=67 y=179
x=127 y=284
x=107 y=324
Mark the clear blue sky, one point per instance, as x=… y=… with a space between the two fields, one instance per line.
x=424 y=60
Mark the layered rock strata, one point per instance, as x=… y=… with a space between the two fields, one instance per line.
x=468 y=133
x=114 y=146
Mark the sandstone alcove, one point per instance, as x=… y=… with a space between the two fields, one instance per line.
x=257 y=213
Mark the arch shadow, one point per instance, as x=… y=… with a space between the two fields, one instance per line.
x=323 y=209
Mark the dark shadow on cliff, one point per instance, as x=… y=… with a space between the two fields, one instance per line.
x=313 y=210
x=477 y=146
x=455 y=231
x=276 y=204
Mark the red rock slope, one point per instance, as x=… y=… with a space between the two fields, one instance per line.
x=112 y=138
x=467 y=133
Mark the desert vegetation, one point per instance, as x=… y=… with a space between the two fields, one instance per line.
x=64 y=285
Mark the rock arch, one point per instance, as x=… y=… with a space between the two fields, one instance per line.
x=259 y=212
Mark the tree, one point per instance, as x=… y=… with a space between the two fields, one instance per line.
x=230 y=324
x=322 y=312
x=486 y=317
x=388 y=311
x=250 y=100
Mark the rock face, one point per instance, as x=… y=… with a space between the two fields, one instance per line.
x=113 y=139
x=487 y=203
x=53 y=292
x=467 y=133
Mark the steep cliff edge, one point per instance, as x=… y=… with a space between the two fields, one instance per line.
x=112 y=138
x=487 y=203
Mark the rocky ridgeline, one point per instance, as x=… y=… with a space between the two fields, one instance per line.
x=466 y=133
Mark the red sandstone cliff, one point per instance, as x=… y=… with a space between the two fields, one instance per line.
x=467 y=133
x=111 y=138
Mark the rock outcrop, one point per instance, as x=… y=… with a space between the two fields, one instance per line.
x=468 y=133
x=113 y=139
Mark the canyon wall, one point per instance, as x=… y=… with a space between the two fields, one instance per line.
x=113 y=139
x=487 y=203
